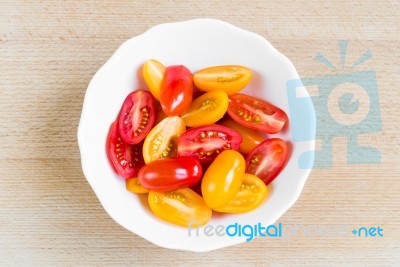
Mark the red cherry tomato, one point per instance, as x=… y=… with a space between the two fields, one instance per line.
x=256 y=113
x=170 y=174
x=127 y=159
x=206 y=142
x=267 y=159
x=176 y=90
x=137 y=116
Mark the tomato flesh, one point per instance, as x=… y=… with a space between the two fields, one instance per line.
x=170 y=174
x=256 y=113
x=230 y=78
x=268 y=159
x=206 y=142
x=137 y=116
x=182 y=207
x=223 y=179
x=176 y=90
x=127 y=159
x=251 y=194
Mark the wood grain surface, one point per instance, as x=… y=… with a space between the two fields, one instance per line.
x=49 y=50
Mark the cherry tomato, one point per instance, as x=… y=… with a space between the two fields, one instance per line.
x=206 y=142
x=182 y=207
x=176 y=90
x=251 y=138
x=137 y=116
x=231 y=78
x=170 y=174
x=153 y=74
x=223 y=179
x=206 y=109
x=126 y=159
x=162 y=140
x=267 y=159
x=251 y=194
x=133 y=185
x=256 y=113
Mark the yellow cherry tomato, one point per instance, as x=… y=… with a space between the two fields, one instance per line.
x=153 y=74
x=251 y=137
x=162 y=140
x=251 y=194
x=133 y=185
x=182 y=207
x=223 y=178
x=230 y=78
x=206 y=109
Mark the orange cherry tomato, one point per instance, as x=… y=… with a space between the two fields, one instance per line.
x=230 y=78
x=182 y=207
x=153 y=74
x=162 y=140
x=133 y=185
x=251 y=194
x=223 y=178
x=251 y=138
x=206 y=109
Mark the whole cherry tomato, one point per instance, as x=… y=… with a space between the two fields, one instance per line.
x=206 y=109
x=133 y=185
x=176 y=90
x=182 y=207
x=206 y=142
x=268 y=159
x=153 y=74
x=231 y=78
x=223 y=179
x=256 y=113
x=137 y=116
x=127 y=159
x=251 y=194
x=170 y=174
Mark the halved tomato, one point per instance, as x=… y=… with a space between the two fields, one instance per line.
x=162 y=140
x=256 y=113
x=206 y=142
x=176 y=90
x=127 y=159
x=251 y=194
x=206 y=109
x=170 y=174
x=268 y=159
x=133 y=186
x=230 y=78
x=137 y=116
x=153 y=75
x=182 y=207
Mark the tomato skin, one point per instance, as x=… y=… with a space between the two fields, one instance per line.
x=256 y=113
x=206 y=109
x=251 y=194
x=182 y=207
x=268 y=159
x=176 y=90
x=230 y=78
x=206 y=142
x=133 y=186
x=137 y=116
x=223 y=179
x=170 y=174
x=162 y=140
x=126 y=159
x=153 y=75
x=251 y=138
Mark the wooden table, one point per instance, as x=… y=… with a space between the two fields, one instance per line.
x=49 y=50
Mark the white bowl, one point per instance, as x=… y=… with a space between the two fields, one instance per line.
x=196 y=44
